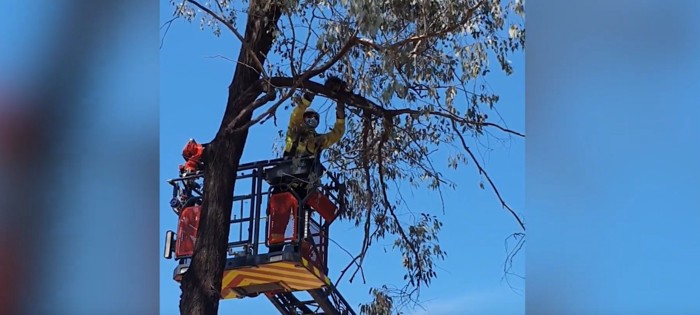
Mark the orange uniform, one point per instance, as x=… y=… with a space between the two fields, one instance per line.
x=192 y=153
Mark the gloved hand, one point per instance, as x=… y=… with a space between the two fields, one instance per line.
x=309 y=96
x=336 y=84
x=187 y=171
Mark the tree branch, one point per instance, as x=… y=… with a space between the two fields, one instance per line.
x=444 y=31
x=168 y=23
x=353 y=100
x=352 y=41
x=268 y=113
x=220 y=19
x=235 y=61
x=508 y=264
x=482 y=171
x=367 y=240
x=308 y=37
x=353 y=261
x=296 y=83
x=291 y=51
x=269 y=96
x=415 y=38
x=453 y=117
x=362 y=102
x=246 y=45
x=399 y=228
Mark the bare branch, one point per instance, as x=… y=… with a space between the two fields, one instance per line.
x=231 y=60
x=251 y=93
x=482 y=171
x=257 y=86
x=508 y=264
x=291 y=51
x=270 y=111
x=269 y=96
x=354 y=259
x=168 y=23
x=367 y=240
x=352 y=41
x=246 y=45
x=399 y=227
x=308 y=37
x=219 y=6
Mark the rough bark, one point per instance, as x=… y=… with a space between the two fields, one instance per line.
x=201 y=285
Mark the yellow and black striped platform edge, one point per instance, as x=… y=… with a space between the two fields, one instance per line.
x=316 y=271
x=290 y=274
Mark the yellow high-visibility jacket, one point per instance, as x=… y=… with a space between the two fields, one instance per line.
x=309 y=142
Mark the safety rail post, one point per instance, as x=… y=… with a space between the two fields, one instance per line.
x=267 y=219
x=324 y=230
x=258 y=206
x=253 y=198
x=240 y=223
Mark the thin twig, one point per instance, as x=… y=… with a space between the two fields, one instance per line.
x=269 y=112
x=220 y=19
x=308 y=37
x=291 y=51
x=482 y=171
x=235 y=61
x=508 y=264
x=415 y=38
x=367 y=240
x=233 y=29
x=168 y=23
x=341 y=53
x=342 y=273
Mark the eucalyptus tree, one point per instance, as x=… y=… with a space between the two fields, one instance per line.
x=416 y=73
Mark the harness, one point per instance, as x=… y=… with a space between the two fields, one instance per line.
x=293 y=151
x=295 y=145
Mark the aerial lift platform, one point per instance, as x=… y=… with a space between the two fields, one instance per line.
x=259 y=262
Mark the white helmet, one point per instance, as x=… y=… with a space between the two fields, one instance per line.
x=311 y=118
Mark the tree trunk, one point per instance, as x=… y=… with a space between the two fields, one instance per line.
x=201 y=284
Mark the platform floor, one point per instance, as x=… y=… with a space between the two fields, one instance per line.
x=272 y=276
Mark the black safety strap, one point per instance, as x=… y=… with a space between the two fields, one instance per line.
x=293 y=150
x=295 y=145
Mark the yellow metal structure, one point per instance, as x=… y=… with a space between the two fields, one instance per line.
x=281 y=275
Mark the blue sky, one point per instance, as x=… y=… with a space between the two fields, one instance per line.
x=611 y=178
x=612 y=152
x=193 y=96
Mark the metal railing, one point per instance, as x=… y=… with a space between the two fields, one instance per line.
x=246 y=232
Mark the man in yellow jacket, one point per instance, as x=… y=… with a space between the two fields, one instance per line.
x=303 y=141
x=302 y=138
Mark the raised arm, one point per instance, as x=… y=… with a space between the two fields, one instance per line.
x=297 y=117
x=338 y=130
